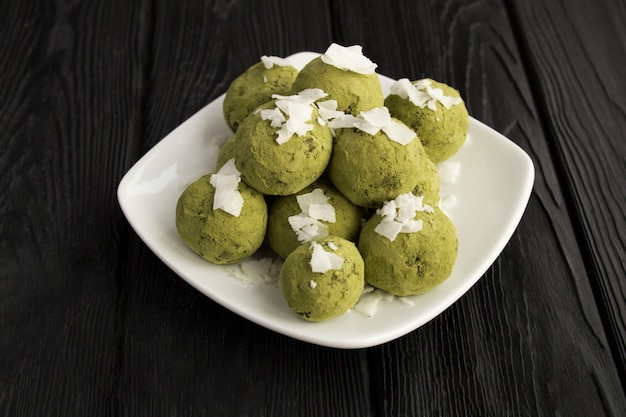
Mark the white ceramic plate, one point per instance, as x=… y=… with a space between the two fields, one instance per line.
x=492 y=192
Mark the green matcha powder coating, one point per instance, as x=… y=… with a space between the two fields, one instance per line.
x=333 y=292
x=280 y=169
x=217 y=236
x=253 y=88
x=413 y=263
x=442 y=132
x=353 y=92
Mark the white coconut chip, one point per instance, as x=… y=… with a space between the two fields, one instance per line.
x=369 y=300
x=270 y=61
x=399 y=132
x=226 y=182
x=256 y=271
x=422 y=94
x=348 y=58
x=449 y=171
x=324 y=212
x=328 y=110
x=398 y=216
x=292 y=114
x=372 y=121
x=342 y=122
x=308 y=224
x=322 y=261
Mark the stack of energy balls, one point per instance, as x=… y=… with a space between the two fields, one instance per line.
x=340 y=180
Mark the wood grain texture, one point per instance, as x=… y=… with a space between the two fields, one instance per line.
x=92 y=323
x=580 y=71
x=182 y=354
x=66 y=115
x=514 y=345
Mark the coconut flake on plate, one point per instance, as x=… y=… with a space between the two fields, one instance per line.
x=368 y=302
x=256 y=271
x=449 y=171
x=348 y=58
x=322 y=261
x=226 y=183
x=270 y=61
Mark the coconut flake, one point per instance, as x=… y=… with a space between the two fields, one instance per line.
x=399 y=132
x=328 y=110
x=312 y=284
x=314 y=208
x=331 y=246
x=398 y=216
x=372 y=121
x=369 y=300
x=449 y=171
x=348 y=58
x=256 y=271
x=422 y=94
x=322 y=261
x=270 y=61
x=292 y=114
x=226 y=182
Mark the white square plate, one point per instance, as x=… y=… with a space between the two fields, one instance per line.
x=491 y=192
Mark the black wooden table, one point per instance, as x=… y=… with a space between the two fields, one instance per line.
x=93 y=324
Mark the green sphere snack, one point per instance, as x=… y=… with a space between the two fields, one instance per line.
x=371 y=169
x=214 y=234
x=285 y=168
x=298 y=218
x=428 y=184
x=412 y=263
x=256 y=87
x=354 y=92
x=435 y=111
x=333 y=289
x=227 y=151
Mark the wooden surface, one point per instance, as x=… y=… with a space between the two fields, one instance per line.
x=92 y=323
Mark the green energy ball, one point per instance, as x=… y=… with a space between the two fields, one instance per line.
x=280 y=169
x=371 y=169
x=442 y=129
x=413 y=263
x=318 y=296
x=217 y=236
x=227 y=151
x=255 y=87
x=428 y=184
x=353 y=92
x=282 y=237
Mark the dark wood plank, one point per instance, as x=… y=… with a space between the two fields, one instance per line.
x=528 y=339
x=182 y=353
x=67 y=116
x=579 y=70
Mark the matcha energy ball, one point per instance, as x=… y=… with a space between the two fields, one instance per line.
x=428 y=184
x=276 y=160
x=370 y=169
x=413 y=262
x=317 y=211
x=227 y=151
x=216 y=235
x=435 y=111
x=322 y=279
x=346 y=75
x=272 y=75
